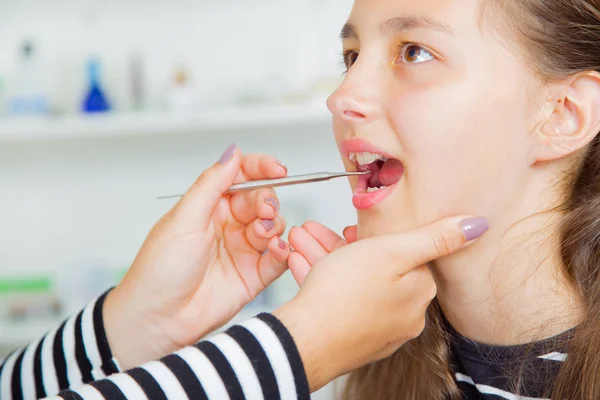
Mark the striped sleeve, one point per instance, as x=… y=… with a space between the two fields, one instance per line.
x=74 y=354
x=255 y=360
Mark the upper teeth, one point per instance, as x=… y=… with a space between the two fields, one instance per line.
x=365 y=158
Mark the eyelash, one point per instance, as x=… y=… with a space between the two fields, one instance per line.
x=345 y=59
x=347 y=53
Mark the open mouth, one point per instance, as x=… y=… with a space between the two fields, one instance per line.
x=385 y=171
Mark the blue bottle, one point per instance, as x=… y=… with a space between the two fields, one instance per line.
x=95 y=100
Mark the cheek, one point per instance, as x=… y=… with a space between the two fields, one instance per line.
x=459 y=142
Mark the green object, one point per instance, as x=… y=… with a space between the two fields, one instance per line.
x=33 y=284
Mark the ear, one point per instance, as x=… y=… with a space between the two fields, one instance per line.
x=574 y=118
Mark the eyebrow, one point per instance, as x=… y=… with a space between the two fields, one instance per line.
x=399 y=24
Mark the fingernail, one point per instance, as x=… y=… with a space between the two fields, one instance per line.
x=267 y=224
x=228 y=154
x=281 y=243
x=474 y=228
x=282 y=164
x=273 y=203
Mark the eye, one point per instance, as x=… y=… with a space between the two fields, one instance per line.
x=412 y=53
x=350 y=57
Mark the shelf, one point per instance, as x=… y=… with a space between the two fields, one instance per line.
x=249 y=118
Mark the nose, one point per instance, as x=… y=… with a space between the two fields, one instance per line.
x=358 y=99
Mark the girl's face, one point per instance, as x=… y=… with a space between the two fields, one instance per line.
x=437 y=92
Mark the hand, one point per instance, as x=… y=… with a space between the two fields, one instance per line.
x=311 y=243
x=355 y=308
x=200 y=264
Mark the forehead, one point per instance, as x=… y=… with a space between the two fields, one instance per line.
x=463 y=16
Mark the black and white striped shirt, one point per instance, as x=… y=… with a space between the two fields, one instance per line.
x=485 y=372
x=254 y=360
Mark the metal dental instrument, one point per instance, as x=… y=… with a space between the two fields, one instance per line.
x=290 y=180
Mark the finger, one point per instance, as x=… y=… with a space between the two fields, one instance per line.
x=273 y=262
x=260 y=166
x=305 y=244
x=299 y=267
x=247 y=206
x=351 y=233
x=261 y=231
x=434 y=241
x=325 y=236
x=196 y=207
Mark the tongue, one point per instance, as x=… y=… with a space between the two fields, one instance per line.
x=374 y=178
x=390 y=172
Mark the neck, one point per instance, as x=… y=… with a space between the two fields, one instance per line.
x=508 y=288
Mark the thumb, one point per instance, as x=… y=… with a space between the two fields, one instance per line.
x=437 y=240
x=196 y=207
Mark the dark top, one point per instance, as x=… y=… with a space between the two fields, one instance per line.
x=521 y=372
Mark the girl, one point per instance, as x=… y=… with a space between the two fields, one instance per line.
x=490 y=107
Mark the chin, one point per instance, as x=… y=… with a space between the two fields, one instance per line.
x=371 y=224
x=397 y=216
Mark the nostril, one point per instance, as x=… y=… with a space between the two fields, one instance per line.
x=353 y=114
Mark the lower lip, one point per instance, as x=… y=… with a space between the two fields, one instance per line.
x=366 y=200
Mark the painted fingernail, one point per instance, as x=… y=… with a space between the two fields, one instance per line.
x=267 y=224
x=474 y=228
x=281 y=243
x=228 y=154
x=273 y=203
x=282 y=164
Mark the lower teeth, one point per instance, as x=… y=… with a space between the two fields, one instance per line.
x=374 y=189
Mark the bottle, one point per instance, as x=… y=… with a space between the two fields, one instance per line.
x=95 y=100
x=181 y=97
x=27 y=95
x=136 y=71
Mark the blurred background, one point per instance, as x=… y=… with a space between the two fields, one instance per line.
x=105 y=105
